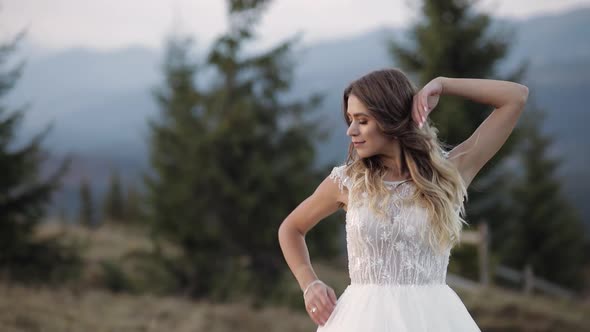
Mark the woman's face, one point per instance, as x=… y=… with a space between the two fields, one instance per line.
x=363 y=130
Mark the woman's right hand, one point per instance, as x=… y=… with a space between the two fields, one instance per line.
x=426 y=100
x=323 y=299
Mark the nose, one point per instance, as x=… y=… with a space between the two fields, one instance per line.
x=352 y=130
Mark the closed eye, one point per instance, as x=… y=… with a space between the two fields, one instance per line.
x=362 y=121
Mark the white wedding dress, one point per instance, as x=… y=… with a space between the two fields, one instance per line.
x=398 y=283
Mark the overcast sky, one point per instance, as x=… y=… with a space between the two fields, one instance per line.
x=107 y=24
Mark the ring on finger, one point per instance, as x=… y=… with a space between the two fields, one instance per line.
x=313 y=310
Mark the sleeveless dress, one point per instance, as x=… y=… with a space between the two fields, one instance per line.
x=398 y=283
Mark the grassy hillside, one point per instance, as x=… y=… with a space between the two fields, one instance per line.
x=86 y=305
x=53 y=310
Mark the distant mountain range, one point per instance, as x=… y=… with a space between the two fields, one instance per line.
x=99 y=102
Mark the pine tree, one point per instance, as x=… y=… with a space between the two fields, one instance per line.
x=547 y=232
x=231 y=160
x=114 y=203
x=452 y=40
x=23 y=194
x=87 y=212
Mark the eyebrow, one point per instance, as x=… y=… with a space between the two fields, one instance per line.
x=354 y=115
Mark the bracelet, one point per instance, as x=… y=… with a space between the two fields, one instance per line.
x=317 y=281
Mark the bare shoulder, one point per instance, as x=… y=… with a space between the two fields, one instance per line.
x=330 y=189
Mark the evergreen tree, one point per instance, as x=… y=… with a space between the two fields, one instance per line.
x=547 y=232
x=114 y=203
x=23 y=194
x=231 y=160
x=87 y=214
x=452 y=40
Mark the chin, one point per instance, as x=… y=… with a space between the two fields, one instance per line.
x=364 y=154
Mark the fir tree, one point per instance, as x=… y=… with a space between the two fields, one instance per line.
x=87 y=212
x=23 y=194
x=114 y=203
x=452 y=40
x=546 y=231
x=232 y=159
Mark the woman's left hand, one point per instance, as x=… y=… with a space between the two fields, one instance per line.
x=426 y=100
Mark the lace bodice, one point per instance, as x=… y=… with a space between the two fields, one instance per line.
x=392 y=251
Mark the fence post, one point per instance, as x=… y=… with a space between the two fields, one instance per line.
x=529 y=279
x=483 y=248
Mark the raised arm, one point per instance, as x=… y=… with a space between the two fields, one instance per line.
x=508 y=98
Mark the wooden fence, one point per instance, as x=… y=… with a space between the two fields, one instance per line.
x=526 y=277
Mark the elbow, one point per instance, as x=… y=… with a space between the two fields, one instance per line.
x=282 y=230
x=286 y=230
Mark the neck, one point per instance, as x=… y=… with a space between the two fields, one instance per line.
x=392 y=159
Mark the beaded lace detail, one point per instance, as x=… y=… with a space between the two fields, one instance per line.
x=394 y=251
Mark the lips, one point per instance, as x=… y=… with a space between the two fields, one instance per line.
x=358 y=143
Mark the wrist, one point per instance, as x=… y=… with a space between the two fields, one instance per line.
x=442 y=81
x=308 y=287
x=304 y=275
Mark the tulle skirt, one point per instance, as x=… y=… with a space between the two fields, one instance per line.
x=399 y=308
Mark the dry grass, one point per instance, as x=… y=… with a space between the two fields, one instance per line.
x=53 y=310
x=108 y=242
x=502 y=310
x=86 y=307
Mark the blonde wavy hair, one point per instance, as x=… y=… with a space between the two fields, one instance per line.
x=388 y=95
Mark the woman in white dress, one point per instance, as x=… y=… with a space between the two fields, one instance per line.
x=404 y=201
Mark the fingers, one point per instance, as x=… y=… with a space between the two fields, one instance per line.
x=419 y=109
x=325 y=307
x=424 y=107
x=324 y=299
x=313 y=315
x=415 y=111
x=321 y=315
x=425 y=104
x=324 y=314
x=332 y=296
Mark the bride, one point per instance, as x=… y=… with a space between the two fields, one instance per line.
x=404 y=200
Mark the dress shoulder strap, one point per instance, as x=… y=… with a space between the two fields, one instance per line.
x=338 y=175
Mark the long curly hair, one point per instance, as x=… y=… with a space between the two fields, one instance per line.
x=388 y=96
